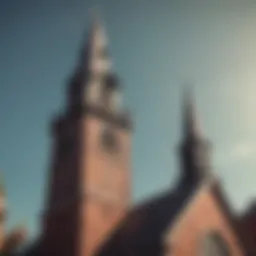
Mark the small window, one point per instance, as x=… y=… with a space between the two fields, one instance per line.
x=111 y=93
x=213 y=245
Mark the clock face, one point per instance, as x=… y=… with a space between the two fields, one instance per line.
x=109 y=141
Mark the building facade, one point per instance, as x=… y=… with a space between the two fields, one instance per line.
x=88 y=208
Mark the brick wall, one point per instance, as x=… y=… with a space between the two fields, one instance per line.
x=201 y=216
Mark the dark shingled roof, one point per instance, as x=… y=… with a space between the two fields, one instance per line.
x=141 y=233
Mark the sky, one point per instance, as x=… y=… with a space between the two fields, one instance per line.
x=156 y=47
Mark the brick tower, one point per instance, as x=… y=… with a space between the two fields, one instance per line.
x=89 y=188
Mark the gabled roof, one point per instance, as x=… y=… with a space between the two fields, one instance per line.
x=231 y=218
x=142 y=231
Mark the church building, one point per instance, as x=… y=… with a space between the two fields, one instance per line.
x=88 y=207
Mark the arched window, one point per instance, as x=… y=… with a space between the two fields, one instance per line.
x=93 y=91
x=111 y=94
x=213 y=244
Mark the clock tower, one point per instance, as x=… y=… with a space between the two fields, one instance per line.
x=89 y=183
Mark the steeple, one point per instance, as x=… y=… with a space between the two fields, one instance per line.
x=98 y=61
x=195 y=149
x=88 y=141
x=192 y=126
x=94 y=82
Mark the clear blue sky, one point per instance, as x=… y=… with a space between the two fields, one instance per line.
x=156 y=46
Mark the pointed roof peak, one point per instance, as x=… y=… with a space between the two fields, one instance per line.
x=95 y=16
x=97 y=24
x=94 y=52
x=192 y=126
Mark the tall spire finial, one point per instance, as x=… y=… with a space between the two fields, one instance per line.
x=192 y=126
x=94 y=50
x=99 y=61
x=94 y=66
x=96 y=22
x=195 y=153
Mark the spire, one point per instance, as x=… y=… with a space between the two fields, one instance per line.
x=97 y=28
x=96 y=56
x=93 y=67
x=195 y=149
x=192 y=126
